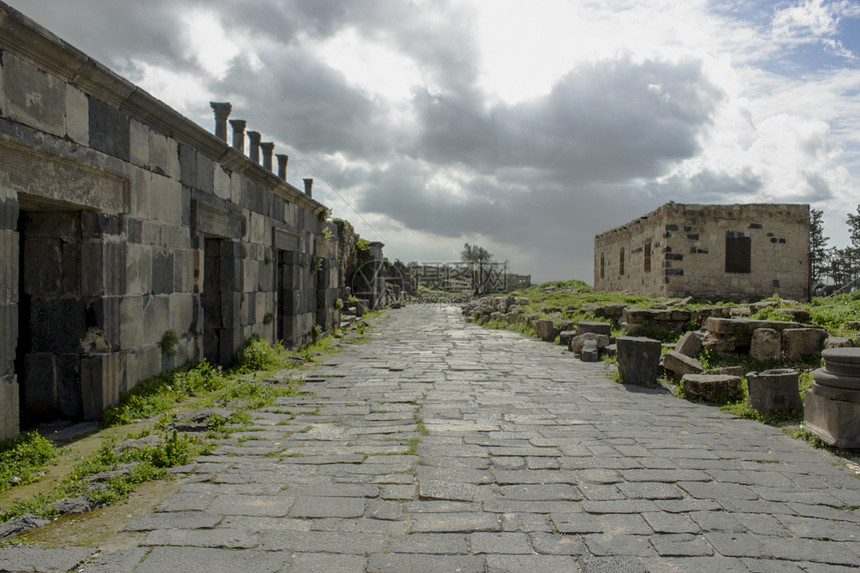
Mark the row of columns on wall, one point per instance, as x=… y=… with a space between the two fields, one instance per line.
x=222 y=113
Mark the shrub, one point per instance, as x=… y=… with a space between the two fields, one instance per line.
x=257 y=354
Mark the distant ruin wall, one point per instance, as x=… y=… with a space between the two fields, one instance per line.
x=742 y=251
x=122 y=220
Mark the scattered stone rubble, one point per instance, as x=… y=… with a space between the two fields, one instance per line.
x=724 y=330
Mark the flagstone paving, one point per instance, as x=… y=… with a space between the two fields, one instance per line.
x=440 y=446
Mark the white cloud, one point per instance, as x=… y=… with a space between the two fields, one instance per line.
x=814 y=22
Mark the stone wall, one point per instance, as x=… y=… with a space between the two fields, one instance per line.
x=767 y=247
x=629 y=258
x=121 y=221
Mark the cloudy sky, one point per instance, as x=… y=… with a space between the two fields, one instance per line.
x=525 y=127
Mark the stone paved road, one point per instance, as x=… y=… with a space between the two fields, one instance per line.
x=440 y=446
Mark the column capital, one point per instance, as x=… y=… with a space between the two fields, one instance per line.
x=222 y=109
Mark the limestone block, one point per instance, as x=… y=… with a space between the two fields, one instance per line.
x=138 y=143
x=205 y=174
x=162 y=272
x=222 y=183
x=33 y=97
x=132 y=326
x=9 y=407
x=77 y=115
x=716 y=388
x=773 y=390
x=138 y=269
x=166 y=204
x=140 y=365
x=183 y=271
x=837 y=342
x=731 y=370
x=187 y=165
x=729 y=326
x=852 y=324
x=689 y=344
x=158 y=155
x=590 y=352
x=231 y=309
x=181 y=312
x=595 y=327
x=578 y=342
x=678 y=363
x=101 y=378
x=798 y=342
x=545 y=330
x=140 y=192
x=565 y=336
x=156 y=318
x=766 y=344
x=114 y=267
x=638 y=359
x=109 y=129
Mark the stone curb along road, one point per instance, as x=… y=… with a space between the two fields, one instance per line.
x=442 y=446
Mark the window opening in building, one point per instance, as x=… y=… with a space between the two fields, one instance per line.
x=738 y=252
x=602 y=266
x=621 y=263
x=647 y=263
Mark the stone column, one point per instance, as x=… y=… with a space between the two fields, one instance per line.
x=268 y=148
x=282 y=165
x=222 y=112
x=309 y=184
x=254 y=136
x=238 y=134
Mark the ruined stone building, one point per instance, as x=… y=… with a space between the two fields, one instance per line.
x=132 y=240
x=708 y=250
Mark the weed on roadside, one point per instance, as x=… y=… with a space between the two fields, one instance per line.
x=21 y=459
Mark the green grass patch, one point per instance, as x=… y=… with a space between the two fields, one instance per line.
x=23 y=457
x=133 y=466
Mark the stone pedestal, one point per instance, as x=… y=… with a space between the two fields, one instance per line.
x=638 y=359
x=772 y=390
x=833 y=403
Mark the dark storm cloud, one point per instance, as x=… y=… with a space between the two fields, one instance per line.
x=610 y=121
x=305 y=104
x=707 y=187
x=114 y=32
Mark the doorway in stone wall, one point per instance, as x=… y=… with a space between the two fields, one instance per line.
x=284 y=289
x=52 y=313
x=211 y=299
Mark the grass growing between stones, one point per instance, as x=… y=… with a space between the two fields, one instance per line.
x=123 y=461
x=113 y=471
x=22 y=458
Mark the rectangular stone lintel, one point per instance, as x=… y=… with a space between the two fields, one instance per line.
x=217 y=222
